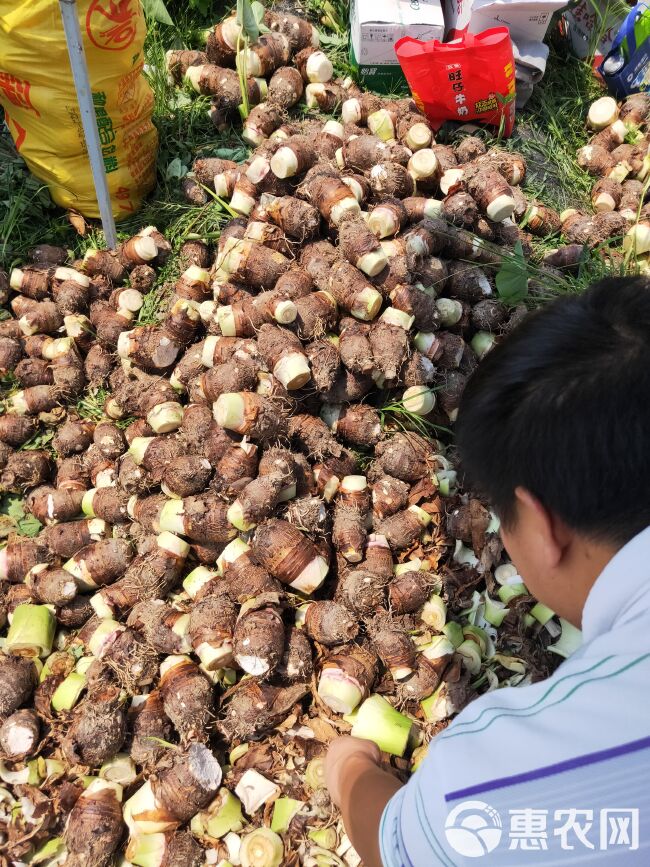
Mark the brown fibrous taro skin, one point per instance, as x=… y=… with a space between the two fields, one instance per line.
x=150 y=575
x=379 y=557
x=389 y=495
x=395 y=649
x=97 y=732
x=308 y=514
x=75 y=613
x=16 y=429
x=406 y=456
x=18 y=679
x=296 y=664
x=25 y=470
x=187 y=474
x=424 y=679
x=95 y=826
x=186 y=782
x=259 y=498
x=155 y=621
x=362 y=591
x=255 y=708
x=354 y=346
x=325 y=362
x=132 y=661
x=408 y=592
x=402 y=529
x=289 y=556
x=330 y=623
x=52 y=586
x=349 y=531
x=149 y=726
x=188 y=699
x=356 y=661
x=211 y=626
x=258 y=640
x=104 y=561
x=312 y=435
x=18 y=558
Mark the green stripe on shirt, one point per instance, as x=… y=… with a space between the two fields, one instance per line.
x=540 y=699
x=519 y=712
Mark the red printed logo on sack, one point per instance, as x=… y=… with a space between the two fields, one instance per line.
x=112 y=25
x=20 y=133
x=16 y=90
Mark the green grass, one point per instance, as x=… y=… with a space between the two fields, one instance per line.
x=91 y=406
x=393 y=414
x=552 y=128
x=548 y=133
x=27 y=214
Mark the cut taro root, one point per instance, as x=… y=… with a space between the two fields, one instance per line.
x=237 y=536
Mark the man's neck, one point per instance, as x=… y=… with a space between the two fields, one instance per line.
x=585 y=560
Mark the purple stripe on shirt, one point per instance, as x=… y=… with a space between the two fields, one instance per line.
x=549 y=770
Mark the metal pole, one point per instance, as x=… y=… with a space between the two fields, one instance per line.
x=85 y=99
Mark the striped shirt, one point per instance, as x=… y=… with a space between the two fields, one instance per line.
x=552 y=773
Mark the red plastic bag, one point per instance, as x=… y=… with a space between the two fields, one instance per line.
x=471 y=78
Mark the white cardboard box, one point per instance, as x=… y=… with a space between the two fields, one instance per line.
x=375 y=27
x=583 y=23
x=527 y=20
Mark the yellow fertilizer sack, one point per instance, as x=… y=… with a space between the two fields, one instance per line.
x=38 y=95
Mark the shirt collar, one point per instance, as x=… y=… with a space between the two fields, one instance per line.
x=621 y=589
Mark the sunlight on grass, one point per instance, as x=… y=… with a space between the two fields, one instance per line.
x=548 y=133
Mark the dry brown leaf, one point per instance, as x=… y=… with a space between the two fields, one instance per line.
x=78 y=223
x=287 y=723
x=322 y=730
x=258 y=756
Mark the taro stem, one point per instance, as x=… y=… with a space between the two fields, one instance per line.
x=378 y=721
x=241 y=64
x=261 y=848
x=31 y=632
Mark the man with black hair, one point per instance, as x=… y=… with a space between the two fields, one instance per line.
x=554 y=429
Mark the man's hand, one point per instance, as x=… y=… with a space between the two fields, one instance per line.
x=347 y=756
x=360 y=788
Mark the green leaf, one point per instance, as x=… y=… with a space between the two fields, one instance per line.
x=202 y=5
x=38 y=441
x=333 y=39
x=258 y=12
x=175 y=170
x=25 y=525
x=334 y=17
x=15 y=508
x=246 y=18
x=156 y=10
x=238 y=154
x=29 y=526
x=179 y=100
x=512 y=277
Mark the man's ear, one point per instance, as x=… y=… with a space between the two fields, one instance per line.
x=543 y=529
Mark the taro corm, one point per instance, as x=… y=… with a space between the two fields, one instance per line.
x=553 y=431
x=236 y=526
